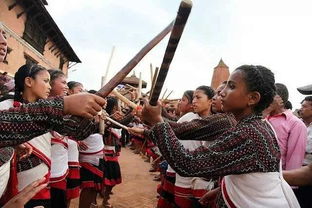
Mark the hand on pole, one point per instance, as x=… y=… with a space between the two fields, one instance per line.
x=83 y=104
x=136 y=131
x=151 y=114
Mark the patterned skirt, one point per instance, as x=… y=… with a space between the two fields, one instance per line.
x=166 y=192
x=112 y=173
x=91 y=176
x=73 y=181
x=46 y=203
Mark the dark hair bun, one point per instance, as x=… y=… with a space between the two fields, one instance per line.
x=261 y=79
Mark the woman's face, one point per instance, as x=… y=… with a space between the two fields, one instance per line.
x=40 y=85
x=59 y=86
x=235 y=96
x=201 y=103
x=75 y=90
x=185 y=105
x=3 y=44
x=216 y=100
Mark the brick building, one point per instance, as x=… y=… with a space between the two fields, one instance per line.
x=33 y=37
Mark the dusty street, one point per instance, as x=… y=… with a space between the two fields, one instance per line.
x=137 y=190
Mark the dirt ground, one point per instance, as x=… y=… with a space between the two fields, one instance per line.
x=137 y=190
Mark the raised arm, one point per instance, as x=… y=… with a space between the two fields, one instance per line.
x=299 y=177
x=203 y=129
x=20 y=124
x=218 y=159
x=23 y=123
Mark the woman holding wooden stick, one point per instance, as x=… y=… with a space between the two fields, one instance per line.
x=246 y=155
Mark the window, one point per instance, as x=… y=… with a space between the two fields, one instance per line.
x=30 y=60
x=34 y=36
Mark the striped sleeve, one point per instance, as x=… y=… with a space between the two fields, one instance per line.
x=23 y=123
x=206 y=129
x=238 y=150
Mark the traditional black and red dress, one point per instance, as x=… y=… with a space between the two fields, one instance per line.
x=92 y=163
x=112 y=148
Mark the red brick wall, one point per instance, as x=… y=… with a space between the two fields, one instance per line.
x=19 y=47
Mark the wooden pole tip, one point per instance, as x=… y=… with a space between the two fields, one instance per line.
x=186 y=3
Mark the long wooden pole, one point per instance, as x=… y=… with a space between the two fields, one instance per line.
x=169 y=94
x=116 y=123
x=164 y=94
x=154 y=80
x=180 y=21
x=107 y=88
x=151 y=71
x=124 y=99
x=140 y=86
x=108 y=67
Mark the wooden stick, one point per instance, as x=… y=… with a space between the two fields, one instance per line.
x=107 y=67
x=102 y=123
x=164 y=94
x=105 y=90
x=180 y=21
x=154 y=80
x=156 y=159
x=140 y=86
x=116 y=123
x=131 y=87
x=124 y=99
x=141 y=149
x=152 y=73
x=169 y=94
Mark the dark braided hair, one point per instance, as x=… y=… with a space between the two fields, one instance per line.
x=189 y=95
x=92 y=91
x=259 y=78
x=54 y=74
x=111 y=103
x=288 y=105
x=207 y=90
x=73 y=84
x=27 y=70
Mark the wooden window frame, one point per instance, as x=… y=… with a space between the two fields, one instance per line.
x=34 y=35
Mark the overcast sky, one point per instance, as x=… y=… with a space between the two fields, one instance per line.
x=273 y=33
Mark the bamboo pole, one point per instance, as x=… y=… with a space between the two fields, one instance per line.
x=154 y=80
x=164 y=94
x=131 y=87
x=116 y=123
x=140 y=86
x=124 y=99
x=152 y=73
x=169 y=94
x=108 y=67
